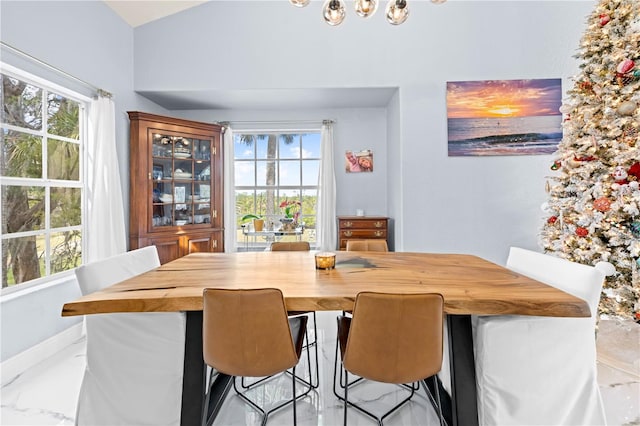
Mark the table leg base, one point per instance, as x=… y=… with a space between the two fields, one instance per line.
x=194 y=377
x=464 y=405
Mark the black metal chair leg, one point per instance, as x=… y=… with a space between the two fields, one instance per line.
x=315 y=343
x=300 y=379
x=246 y=386
x=310 y=383
x=265 y=414
x=293 y=381
x=306 y=346
x=346 y=398
x=379 y=420
x=438 y=401
x=335 y=375
x=205 y=407
x=307 y=350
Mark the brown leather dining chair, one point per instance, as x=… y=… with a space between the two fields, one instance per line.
x=359 y=245
x=248 y=333
x=301 y=246
x=290 y=246
x=393 y=338
x=367 y=245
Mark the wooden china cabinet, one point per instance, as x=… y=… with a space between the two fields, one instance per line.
x=175 y=185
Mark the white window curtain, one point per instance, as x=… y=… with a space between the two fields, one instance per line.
x=105 y=230
x=229 y=193
x=326 y=214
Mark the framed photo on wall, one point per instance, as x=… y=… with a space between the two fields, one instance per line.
x=358 y=161
x=504 y=117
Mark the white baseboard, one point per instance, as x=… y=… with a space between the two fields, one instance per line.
x=20 y=363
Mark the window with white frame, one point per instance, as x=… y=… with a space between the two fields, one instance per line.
x=276 y=180
x=41 y=179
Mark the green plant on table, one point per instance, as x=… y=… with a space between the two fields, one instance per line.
x=247 y=217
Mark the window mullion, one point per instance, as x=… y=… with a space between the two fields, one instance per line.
x=42 y=185
x=45 y=144
x=283 y=162
x=300 y=163
x=47 y=189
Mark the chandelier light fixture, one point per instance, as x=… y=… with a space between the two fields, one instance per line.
x=334 y=11
x=397 y=12
x=366 y=8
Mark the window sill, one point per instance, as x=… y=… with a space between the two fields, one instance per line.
x=20 y=290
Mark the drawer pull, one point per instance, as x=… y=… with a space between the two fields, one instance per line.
x=347 y=224
x=347 y=233
x=379 y=224
x=378 y=233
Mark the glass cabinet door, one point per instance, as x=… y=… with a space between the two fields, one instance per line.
x=181 y=180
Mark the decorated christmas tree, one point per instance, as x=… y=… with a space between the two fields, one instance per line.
x=593 y=211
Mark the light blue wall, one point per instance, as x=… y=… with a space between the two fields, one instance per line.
x=89 y=41
x=354 y=129
x=441 y=204
x=481 y=205
x=395 y=149
x=33 y=316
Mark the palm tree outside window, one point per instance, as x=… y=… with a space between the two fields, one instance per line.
x=272 y=169
x=41 y=187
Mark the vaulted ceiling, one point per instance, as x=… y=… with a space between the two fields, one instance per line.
x=139 y=12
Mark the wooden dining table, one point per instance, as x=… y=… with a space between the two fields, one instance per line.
x=470 y=286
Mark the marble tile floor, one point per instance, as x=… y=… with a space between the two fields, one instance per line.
x=47 y=394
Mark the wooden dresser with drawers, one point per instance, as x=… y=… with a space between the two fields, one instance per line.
x=362 y=228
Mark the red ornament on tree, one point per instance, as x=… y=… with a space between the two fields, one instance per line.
x=582 y=232
x=552 y=220
x=604 y=19
x=625 y=66
x=602 y=204
x=623 y=71
x=634 y=170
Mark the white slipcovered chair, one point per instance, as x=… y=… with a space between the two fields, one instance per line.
x=541 y=370
x=134 y=361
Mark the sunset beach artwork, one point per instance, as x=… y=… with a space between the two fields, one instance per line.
x=504 y=117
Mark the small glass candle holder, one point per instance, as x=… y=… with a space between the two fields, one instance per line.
x=325 y=260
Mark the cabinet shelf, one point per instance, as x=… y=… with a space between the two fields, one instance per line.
x=195 y=222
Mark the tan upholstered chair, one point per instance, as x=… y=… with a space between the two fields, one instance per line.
x=300 y=246
x=367 y=245
x=290 y=246
x=248 y=333
x=392 y=338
